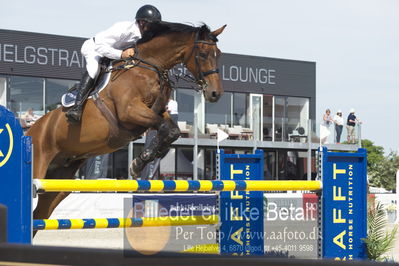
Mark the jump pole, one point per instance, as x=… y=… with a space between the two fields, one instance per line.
x=65 y=185
x=100 y=223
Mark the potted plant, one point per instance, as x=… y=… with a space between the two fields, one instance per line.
x=379 y=240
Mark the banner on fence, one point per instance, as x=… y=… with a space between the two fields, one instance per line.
x=241 y=212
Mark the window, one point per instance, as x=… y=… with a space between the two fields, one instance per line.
x=292 y=165
x=220 y=111
x=210 y=164
x=297 y=115
x=270 y=165
x=303 y=159
x=55 y=88
x=25 y=93
x=200 y=164
x=184 y=163
x=267 y=117
x=120 y=164
x=288 y=165
x=279 y=114
x=291 y=114
x=185 y=100
x=3 y=91
x=239 y=109
x=168 y=165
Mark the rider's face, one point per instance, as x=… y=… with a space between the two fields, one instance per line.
x=142 y=26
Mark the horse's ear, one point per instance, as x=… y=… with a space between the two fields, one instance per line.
x=218 y=31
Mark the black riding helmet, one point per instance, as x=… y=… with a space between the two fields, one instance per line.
x=148 y=13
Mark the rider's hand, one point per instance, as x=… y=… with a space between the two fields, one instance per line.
x=128 y=53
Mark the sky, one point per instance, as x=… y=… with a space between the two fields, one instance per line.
x=355 y=43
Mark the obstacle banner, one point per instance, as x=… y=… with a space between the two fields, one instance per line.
x=15 y=175
x=344 y=205
x=241 y=212
x=292 y=224
x=174 y=205
x=189 y=217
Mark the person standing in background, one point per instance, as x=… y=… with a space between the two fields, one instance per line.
x=30 y=117
x=172 y=109
x=339 y=124
x=350 y=126
x=325 y=127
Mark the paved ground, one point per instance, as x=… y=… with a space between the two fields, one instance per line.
x=104 y=238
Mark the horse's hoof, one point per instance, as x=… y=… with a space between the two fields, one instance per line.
x=134 y=168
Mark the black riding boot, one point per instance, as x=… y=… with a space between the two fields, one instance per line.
x=75 y=113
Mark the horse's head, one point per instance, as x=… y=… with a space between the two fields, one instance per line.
x=195 y=47
x=202 y=61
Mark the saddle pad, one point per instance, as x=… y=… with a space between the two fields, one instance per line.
x=69 y=98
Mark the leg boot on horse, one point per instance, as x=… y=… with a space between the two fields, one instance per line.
x=168 y=132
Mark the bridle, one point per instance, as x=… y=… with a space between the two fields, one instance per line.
x=200 y=75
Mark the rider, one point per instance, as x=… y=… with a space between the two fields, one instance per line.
x=113 y=43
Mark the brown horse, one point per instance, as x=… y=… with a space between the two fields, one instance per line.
x=133 y=101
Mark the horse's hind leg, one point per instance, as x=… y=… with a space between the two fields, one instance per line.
x=49 y=201
x=46 y=205
x=167 y=133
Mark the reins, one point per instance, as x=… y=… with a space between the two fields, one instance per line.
x=163 y=75
x=135 y=61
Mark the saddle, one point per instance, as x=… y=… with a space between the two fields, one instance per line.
x=69 y=98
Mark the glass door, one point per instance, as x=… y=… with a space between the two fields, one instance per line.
x=268 y=118
x=256 y=115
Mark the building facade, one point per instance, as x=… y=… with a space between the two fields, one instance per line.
x=268 y=103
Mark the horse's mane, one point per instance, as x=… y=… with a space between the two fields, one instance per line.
x=162 y=27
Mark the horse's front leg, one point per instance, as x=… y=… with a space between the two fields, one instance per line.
x=167 y=133
x=173 y=134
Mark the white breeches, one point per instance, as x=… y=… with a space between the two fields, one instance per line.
x=92 y=58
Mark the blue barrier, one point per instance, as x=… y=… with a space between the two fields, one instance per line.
x=344 y=204
x=241 y=211
x=16 y=177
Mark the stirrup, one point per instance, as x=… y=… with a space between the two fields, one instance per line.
x=74 y=115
